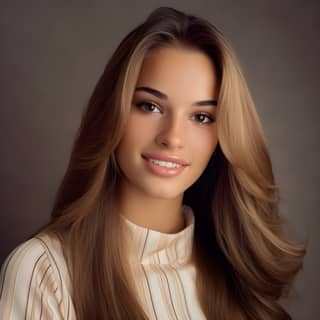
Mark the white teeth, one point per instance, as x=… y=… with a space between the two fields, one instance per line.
x=165 y=163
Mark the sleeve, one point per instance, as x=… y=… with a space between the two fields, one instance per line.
x=28 y=286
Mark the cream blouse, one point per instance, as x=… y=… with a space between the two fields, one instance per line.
x=34 y=280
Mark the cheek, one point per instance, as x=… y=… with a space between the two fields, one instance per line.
x=139 y=128
x=132 y=131
x=136 y=135
x=203 y=146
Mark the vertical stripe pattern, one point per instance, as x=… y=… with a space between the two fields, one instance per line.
x=35 y=284
x=164 y=273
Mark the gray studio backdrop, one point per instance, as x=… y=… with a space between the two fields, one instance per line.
x=53 y=52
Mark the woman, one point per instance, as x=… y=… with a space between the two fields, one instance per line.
x=168 y=208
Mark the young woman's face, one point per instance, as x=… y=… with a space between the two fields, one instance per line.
x=171 y=132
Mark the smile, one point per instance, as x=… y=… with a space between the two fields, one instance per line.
x=165 y=163
x=164 y=168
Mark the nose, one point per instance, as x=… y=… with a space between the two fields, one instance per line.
x=172 y=133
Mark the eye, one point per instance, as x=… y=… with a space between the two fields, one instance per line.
x=204 y=118
x=148 y=106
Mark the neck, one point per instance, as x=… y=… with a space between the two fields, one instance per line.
x=163 y=215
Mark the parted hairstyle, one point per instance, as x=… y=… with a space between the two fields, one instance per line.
x=243 y=260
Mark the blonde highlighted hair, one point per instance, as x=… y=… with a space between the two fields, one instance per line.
x=244 y=263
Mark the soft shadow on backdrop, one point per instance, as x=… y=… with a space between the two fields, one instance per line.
x=52 y=54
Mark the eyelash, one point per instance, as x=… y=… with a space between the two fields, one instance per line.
x=140 y=105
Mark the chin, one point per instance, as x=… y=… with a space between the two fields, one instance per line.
x=163 y=193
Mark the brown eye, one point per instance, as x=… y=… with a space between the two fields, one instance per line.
x=204 y=118
x=148 y=106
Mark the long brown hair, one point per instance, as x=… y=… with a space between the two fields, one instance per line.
x=244 y=263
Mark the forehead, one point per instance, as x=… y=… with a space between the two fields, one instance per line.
x=179 y=71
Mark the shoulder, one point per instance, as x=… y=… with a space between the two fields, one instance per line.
x=33 y=270
x=39 y=256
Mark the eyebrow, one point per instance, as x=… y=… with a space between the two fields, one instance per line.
x=163 y=96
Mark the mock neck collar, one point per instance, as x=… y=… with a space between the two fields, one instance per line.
x=154 y=247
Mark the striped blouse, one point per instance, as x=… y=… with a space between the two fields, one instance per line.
x=34 y=280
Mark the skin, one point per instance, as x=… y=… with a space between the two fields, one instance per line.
x=171 y=126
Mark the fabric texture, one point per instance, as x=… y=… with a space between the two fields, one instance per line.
x=35 y=284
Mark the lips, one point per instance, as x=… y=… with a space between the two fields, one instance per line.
x=168 y=158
